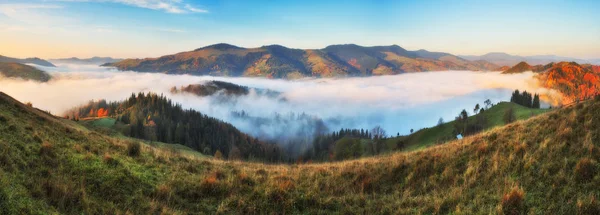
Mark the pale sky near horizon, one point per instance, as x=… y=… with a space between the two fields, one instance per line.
x=151 y=28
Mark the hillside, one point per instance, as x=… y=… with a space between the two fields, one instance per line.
x=277 y=61
x=519 y=68
x=156 y=118
x=35 y=60
x=210 y=88
x=547 y=164
x=572 y=80
x=21 y=71
x=92 y=61
x=444 y=132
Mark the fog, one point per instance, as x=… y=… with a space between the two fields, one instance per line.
x=397 y=103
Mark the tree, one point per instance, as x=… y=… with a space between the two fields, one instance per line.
x=487 y=103
x=476 y=109
x=509 y=115
x=440 y=121
x=378 y=132
x=464 y=115
x=411 y=130
x=536 y=101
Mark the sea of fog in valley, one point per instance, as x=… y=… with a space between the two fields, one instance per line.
x=397 y=103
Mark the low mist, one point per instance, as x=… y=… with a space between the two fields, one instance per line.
x=397 y=103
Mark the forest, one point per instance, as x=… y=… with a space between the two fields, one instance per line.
x=155 y=118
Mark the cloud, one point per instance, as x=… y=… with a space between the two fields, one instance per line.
x=31 y=13
x=194 y=9
x=169 y=6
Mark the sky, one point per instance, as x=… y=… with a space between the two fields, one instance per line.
x=152 y=28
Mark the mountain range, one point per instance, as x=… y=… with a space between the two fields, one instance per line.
x=34 y=60
x=276 y=61
x=93 y=60
x=504 y=59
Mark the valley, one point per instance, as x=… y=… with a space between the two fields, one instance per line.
x=184 y=107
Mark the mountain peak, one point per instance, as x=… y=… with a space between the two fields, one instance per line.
x=220 y=46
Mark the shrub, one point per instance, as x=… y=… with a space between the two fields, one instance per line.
x=46 y=149
x=133 y=148
x=514 y=202
x=218 y=155
x=109 y=159
x=163 y=192
x=213 y=185
x=585 y=170
x=3 y=119
x=588 y=206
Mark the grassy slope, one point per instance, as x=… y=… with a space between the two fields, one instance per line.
x=17 y=70
x=494 y=116
x=51 y=165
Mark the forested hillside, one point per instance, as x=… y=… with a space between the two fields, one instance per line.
x=154 y=117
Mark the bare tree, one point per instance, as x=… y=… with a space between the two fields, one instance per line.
x=378 y=132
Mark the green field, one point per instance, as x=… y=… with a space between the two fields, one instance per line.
x=443 y=133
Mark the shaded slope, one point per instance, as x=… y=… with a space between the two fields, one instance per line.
x=547 y=164
x=22 y=71
x=35 y=60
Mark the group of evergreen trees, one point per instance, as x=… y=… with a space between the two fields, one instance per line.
x=525 y=99
x=349 y=143
x=154 y=117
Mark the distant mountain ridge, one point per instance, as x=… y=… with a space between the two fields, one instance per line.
x=276 y=61
x=22 y=71
x=504 y=59
x=93 y=60
x=33 y=60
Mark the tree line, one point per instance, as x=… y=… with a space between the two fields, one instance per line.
x=525 y=99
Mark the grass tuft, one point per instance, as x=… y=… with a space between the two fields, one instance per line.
x=134 y=148
x=513 y=203
x=585 y=170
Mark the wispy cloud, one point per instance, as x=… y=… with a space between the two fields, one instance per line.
x=30 y=13
x=169 y=6
x=194 y=9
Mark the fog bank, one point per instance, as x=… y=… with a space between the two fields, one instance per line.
x=397 y=103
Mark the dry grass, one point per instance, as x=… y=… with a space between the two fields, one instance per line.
x=530 y=166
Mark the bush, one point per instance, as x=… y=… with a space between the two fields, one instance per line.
x=585 y=170
x=588 y=206
x=46 y=149
x=109 y=159
x=218 y=155
x=133 y=148
x=514 y=202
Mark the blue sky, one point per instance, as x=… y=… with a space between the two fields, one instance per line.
x=150 y=28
